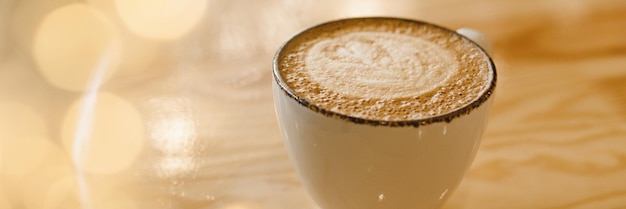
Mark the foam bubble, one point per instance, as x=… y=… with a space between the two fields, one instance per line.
x=384 y=69
x=379 y=65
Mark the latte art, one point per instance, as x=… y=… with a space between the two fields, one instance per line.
x=379 y=65
x=383 y=69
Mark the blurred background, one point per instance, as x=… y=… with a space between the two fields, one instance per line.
x=128 y=104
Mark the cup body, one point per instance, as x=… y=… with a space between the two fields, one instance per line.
x=349 y=163
x=343 y=164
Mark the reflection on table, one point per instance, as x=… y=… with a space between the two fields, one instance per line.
x=167 y=104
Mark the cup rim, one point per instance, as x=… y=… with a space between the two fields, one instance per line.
x=447 y=117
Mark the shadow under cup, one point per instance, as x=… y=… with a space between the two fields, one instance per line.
x=347 y=162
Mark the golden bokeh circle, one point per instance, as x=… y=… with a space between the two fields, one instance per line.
x=114 y=133
x=161 y=19
x=75 y=43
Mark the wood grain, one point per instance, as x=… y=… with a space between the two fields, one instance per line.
x=556 y=137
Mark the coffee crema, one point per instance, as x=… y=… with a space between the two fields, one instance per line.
x=384 y=69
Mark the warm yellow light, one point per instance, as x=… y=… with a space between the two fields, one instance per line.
x=4 y=202
x=65 y=194
x=33 y=189
x=105 y=5
x=118 y=202
x=74 y=42
x=172 y=128
x=113 y=133
x=23 y=141
x=24 y=17
x=17 y=119
x=161 y=19
x=138 y=52
x=241 y=206
x=174 y=166
x=62 y=194
x=137 y=55
x=22 y=155
x=363 y=7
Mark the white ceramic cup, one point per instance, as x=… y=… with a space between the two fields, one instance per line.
x=351 y=163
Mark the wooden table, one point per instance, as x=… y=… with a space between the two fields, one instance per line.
x=182 y=114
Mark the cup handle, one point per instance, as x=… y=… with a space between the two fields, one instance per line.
x=478 y=37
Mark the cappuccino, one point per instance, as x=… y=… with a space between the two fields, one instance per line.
x=383 y=69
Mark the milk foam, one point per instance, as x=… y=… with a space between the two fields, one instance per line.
x=384 y=69
x=379 y=65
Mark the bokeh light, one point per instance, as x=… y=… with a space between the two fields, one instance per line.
x=73 y=43
x=241 y=206
x=65 y=194
x=33 y=188
x=115 y=133
x=62 y=194
x=17 y=119
x=23 y=145
x=138 y=52
x=161 y=19
x=137 y=55
x=4 y=201
x=172 y=130
x=15 y=75
x=172 y=127
x=176 y=166
x=25 y=16
x=22 y=155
